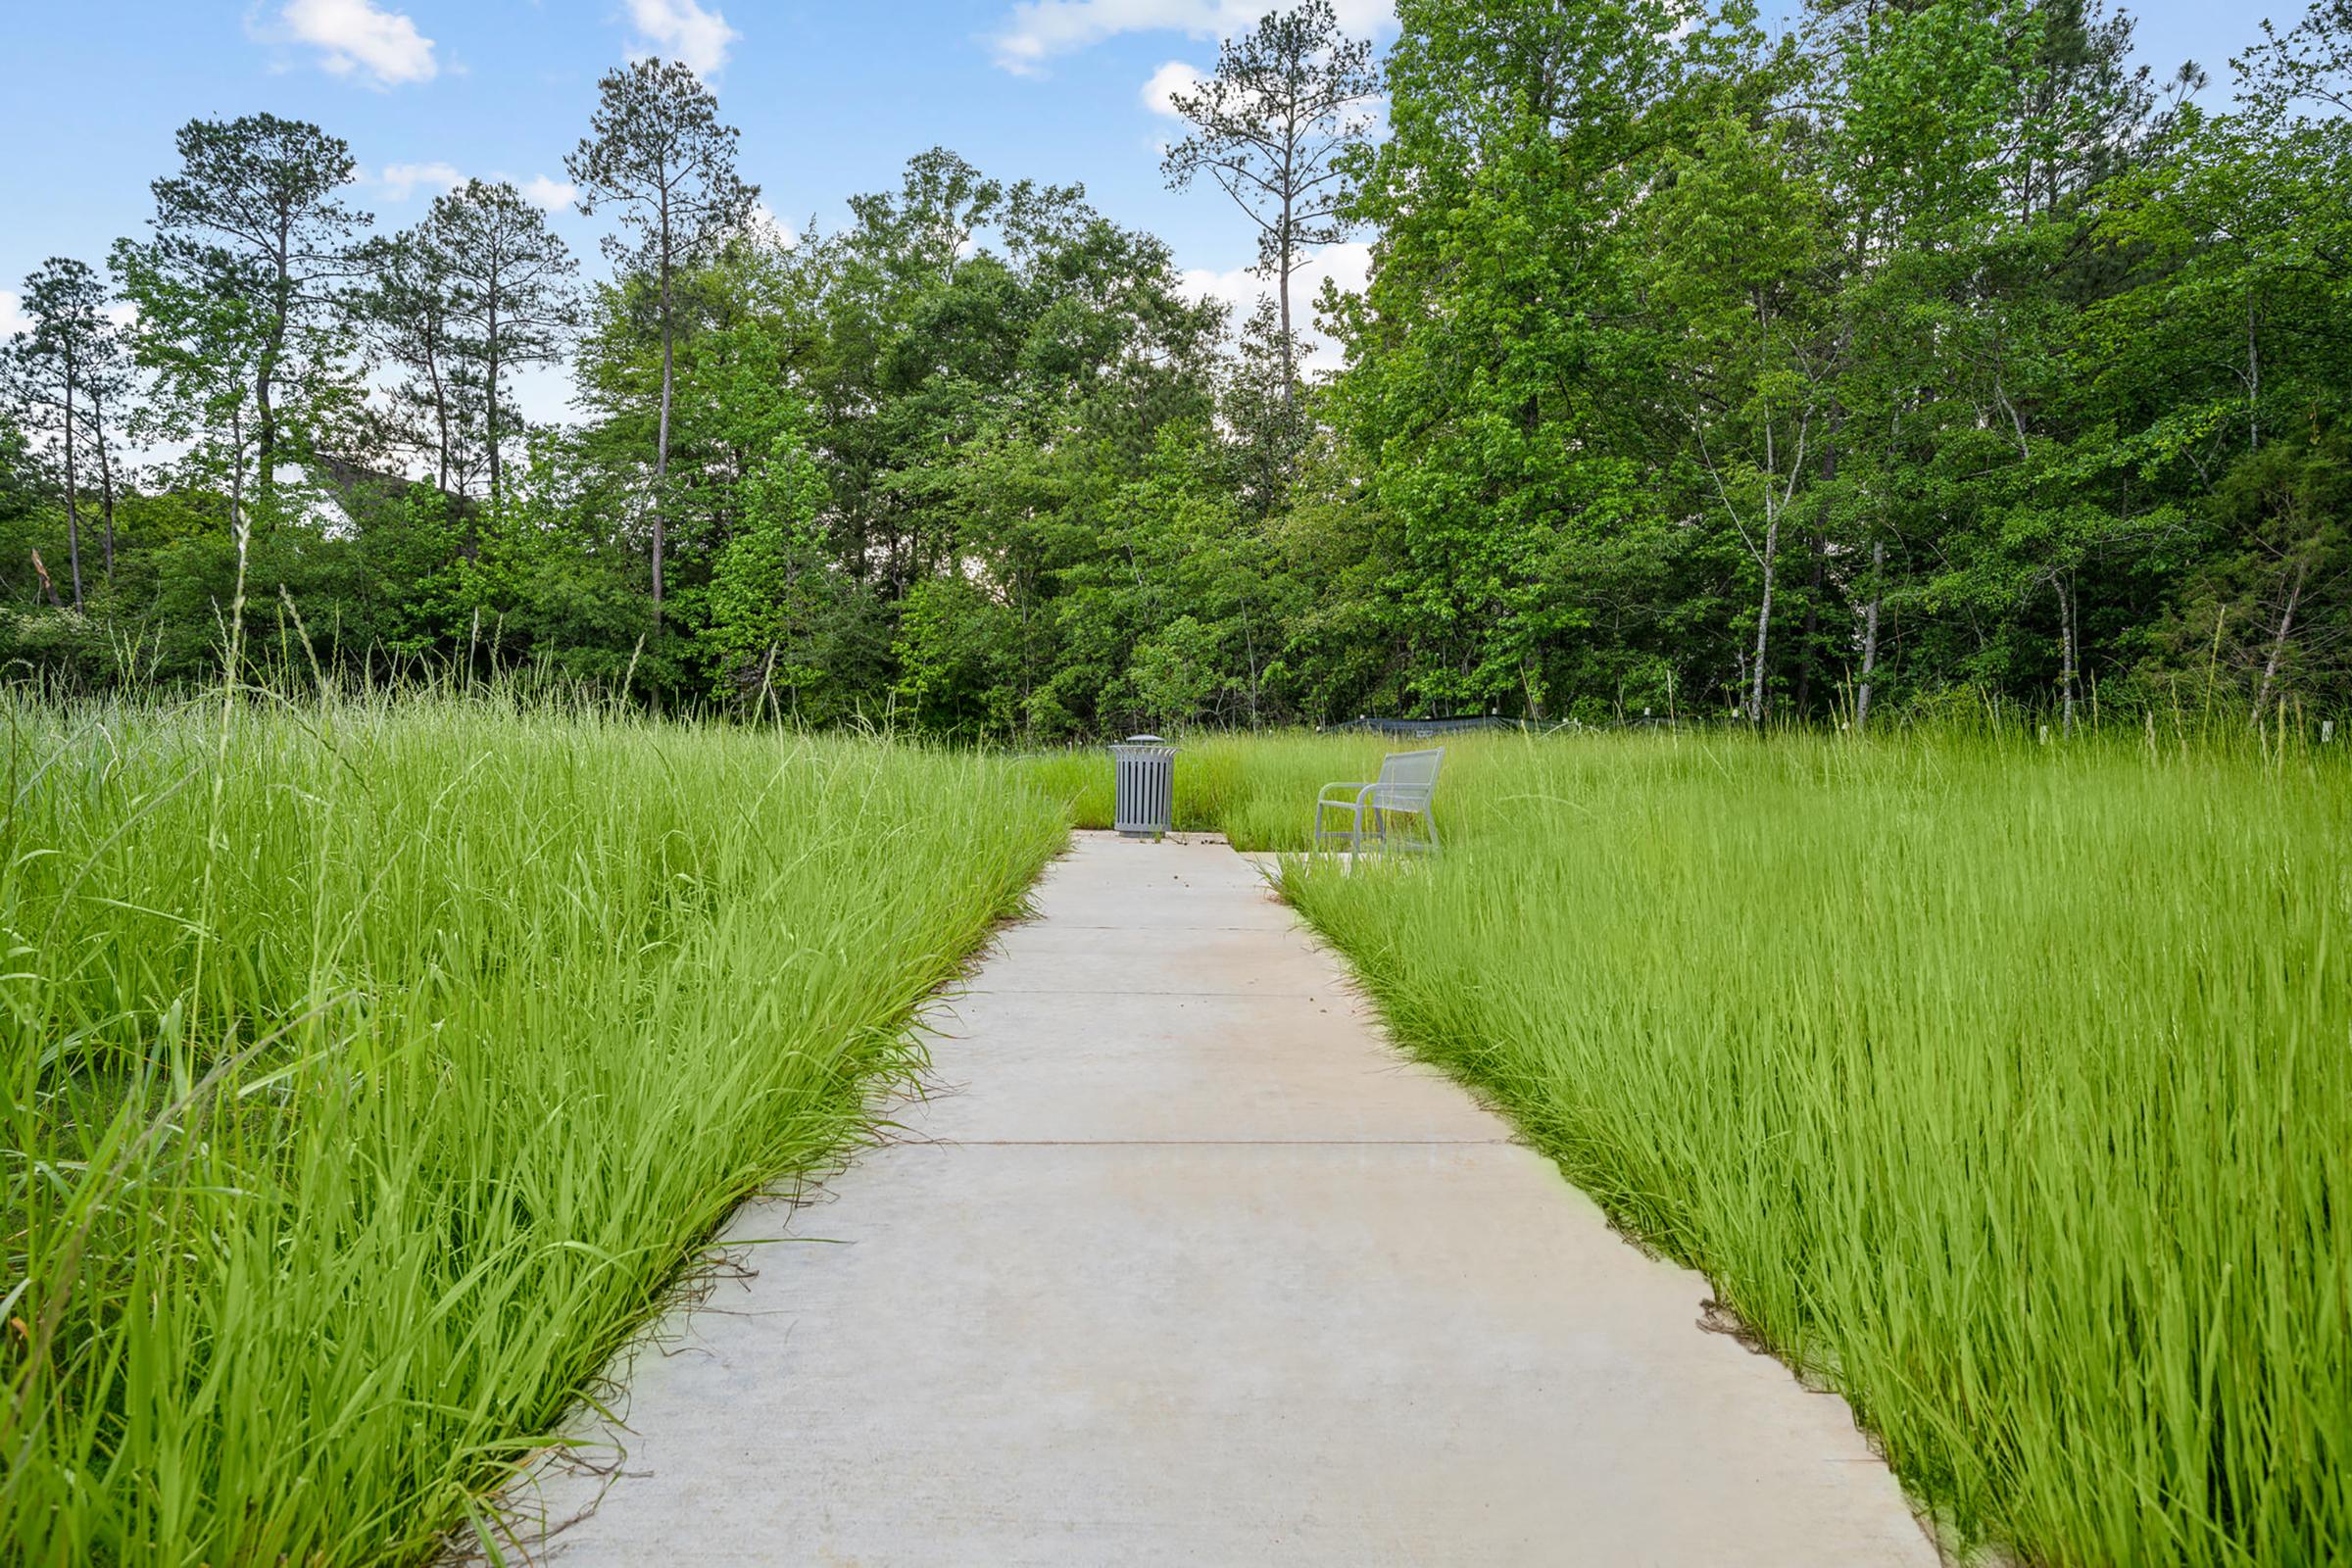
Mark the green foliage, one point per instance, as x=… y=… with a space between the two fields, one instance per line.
x=556 y=581
x=773 y=608
x=1807 y=376
x=2264 y=609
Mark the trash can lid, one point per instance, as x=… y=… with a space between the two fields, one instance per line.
x=1143 y=740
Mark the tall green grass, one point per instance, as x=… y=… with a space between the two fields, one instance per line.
x=368 y=1071
x=2007 y=1087
x=372 y=1070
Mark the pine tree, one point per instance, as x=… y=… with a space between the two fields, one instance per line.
x=1271 y=127
x=657 y=152
x=511 y=299
x=62 y=371
x=252 y=246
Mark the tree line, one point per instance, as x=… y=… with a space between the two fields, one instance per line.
x=1919 y=352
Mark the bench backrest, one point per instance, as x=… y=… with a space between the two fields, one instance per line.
x=1407 y=780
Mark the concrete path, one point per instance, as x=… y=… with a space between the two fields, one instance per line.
x=1182 y=1263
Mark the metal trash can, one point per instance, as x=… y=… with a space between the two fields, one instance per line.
x=1144 y=770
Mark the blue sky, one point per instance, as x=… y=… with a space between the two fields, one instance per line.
x=831 y=97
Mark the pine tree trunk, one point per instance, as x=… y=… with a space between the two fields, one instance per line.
x=72 y=497
x=236 y=472
x=1289 y=196
x=661 y=437
x=491 y=413
x=264 y=384
x=432 y=366
x=266 y=438
x=106 y=483
x=1281 y=291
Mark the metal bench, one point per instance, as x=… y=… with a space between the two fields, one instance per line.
x=1407 y=782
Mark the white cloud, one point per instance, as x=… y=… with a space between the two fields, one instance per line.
x=551 y=194
x=357 y=36
x=400 y=181
x=1039 y=30
x=683 y=31
x=771 y=228
x=1159 y=93
x=1348 y=264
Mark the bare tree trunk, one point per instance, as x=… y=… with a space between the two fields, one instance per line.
x=767 y=675
x=661 y=444
x=1772 y=549
x=2286 y=627
x=2066 y=651
x=1250 y=647
x=236 y=472
x=1870 y=633
x=266 y=472
x=41 y=569
x=1820 y=546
